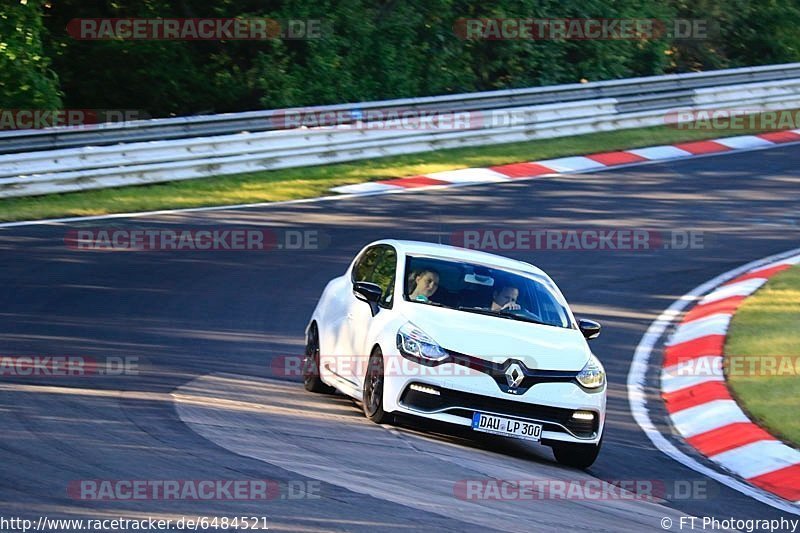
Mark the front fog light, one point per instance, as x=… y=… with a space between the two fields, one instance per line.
x=593 y=375
x=423 y=388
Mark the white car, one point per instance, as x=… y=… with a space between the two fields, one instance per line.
x=462 y=337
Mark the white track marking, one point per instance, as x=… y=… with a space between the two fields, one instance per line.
x=743 y=142
x=693 y=372
x=716 y=324
x=469 y=175
x=369 y=186
x=742 y=288
x=660 y=153
x=570 y=164
x=757 y=458
x=707 y=417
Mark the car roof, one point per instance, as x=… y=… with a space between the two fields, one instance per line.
x=445 y=251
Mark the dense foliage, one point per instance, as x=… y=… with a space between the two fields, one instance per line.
x=368 y=51
x=25 y=78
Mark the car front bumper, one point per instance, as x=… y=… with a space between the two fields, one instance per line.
x=452 y=393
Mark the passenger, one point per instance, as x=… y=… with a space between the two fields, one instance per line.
x=424 y=281
x=504 y=298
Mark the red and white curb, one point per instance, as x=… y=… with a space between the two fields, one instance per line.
x=699 y=403
x=573 y=164
x=639 y=386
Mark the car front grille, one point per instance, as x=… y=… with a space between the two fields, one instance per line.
x=465 y=404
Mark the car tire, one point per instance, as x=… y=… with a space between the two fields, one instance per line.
x=372 y=398
x=311 y=377
x=576 y=455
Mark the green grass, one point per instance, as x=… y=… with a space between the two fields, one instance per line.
x=309 y=182
x=767 y=325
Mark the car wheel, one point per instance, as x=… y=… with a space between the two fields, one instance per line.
x=372 y=398
x=577 y=455
x=311 y=377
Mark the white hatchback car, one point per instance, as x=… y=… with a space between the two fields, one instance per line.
x=462 y=337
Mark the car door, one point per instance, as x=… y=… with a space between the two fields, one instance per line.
x=378 y=266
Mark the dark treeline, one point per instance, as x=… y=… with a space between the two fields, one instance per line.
x=368 y=51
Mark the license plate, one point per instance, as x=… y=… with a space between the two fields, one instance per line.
x=508 y=427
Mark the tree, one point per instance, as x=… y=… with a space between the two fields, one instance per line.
x=26 y=81
x=370 y=50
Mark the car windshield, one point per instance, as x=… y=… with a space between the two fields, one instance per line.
x=476 y=288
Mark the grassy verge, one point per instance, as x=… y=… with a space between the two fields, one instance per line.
x=288 y=184
x=766 y=325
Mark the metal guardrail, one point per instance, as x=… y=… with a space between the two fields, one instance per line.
x=632 y=93
x=90 y=167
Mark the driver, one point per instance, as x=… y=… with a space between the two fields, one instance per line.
x=504 y=298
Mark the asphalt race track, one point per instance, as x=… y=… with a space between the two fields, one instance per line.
x=205 y=328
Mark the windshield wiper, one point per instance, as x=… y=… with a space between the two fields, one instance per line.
x=479 y=310
x=503 y=314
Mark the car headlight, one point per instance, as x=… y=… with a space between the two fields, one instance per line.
x=416 y=345
x=593 y=375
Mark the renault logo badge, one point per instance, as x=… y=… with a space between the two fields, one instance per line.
x=514 y=375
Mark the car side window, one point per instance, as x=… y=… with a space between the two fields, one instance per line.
x=378 y=265
x=384 y=275
x=362 y=270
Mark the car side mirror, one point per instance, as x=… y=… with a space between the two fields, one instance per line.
x=368 y=292
x=589 y=328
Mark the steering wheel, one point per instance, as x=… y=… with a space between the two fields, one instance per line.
x=524 y=312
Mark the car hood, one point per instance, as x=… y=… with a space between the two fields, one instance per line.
x=498 y=339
